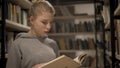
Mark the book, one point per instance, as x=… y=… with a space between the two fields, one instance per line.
x=64 y=61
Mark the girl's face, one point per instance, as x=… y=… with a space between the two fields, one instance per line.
x=41 y=24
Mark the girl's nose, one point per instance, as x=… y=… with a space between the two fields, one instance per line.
x=48 y=26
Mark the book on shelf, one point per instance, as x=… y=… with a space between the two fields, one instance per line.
x=16 y=13
x=75 y=44
x=117 y=28
x=66 y=62
x=71 y=26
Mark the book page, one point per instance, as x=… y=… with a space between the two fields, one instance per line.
x=66 y=62
x=62 y=62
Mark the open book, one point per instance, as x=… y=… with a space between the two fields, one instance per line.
x=65 y=62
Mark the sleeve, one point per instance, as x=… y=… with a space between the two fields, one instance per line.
x=55 y=48
x=14 y=57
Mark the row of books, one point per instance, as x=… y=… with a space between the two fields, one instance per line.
x=66 y=26
x=16 y=14
x=75 y=44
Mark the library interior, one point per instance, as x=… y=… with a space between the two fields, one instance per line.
x=59 y=34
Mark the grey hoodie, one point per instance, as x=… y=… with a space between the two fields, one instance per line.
x=28 y=51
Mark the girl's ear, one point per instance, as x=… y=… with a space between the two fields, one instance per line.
x=31 y=20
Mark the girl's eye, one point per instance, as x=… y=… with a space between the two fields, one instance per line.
x=45 y=23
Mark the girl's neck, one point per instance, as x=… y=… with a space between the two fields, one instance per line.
x=31 y=32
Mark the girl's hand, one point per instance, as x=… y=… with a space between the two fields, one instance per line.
x=37 y=66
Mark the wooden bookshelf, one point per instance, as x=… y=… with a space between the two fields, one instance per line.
x=110 y=54
x=70 y=34
x=118 y=57
x=73 y=51
x=9 y=25
x=73 y=17
x=117 y=11
x=23 y=3
x=107 y=25
x=16 y=26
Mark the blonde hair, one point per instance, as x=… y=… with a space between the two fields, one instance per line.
x=40 y=6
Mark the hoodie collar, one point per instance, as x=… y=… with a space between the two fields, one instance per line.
x=27 y=35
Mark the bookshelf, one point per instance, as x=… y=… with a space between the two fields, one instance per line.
x=63 y=36
x=73 y=17
x=85 y=51
x=72 y=34
x=107 y=26
x=67 y=39
x=117 y=10
x=16 y=19
x=11 y=14
x=117 y=13
x=16 y=26
x=112 y=44
x=23 y=3
x=114 y=33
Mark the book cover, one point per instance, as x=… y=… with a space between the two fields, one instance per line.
x=65 y=62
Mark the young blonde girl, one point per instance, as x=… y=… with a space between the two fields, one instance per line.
x=32 y=49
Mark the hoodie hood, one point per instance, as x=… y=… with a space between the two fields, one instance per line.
x=27 y=35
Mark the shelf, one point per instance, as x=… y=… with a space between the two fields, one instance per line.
x=73 y=51
x=117 y=11
x=23 y=3
x=110 y=54
x=74 y=17
x=78 y=52
x=107 y=25
x=16 y=27
x=118 y=57
x=70 y=34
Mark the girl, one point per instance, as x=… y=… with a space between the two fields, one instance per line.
x=32 y=49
